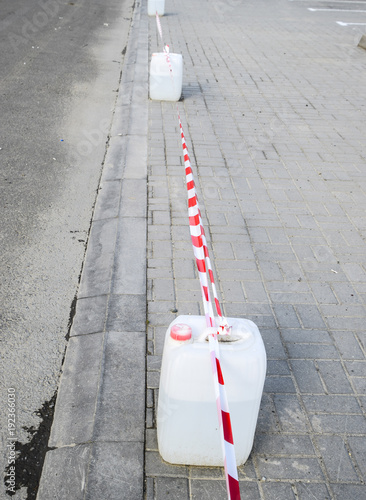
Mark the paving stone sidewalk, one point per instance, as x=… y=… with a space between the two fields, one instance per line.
x=273 y=110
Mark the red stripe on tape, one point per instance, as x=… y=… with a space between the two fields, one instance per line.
x=201 y=265
x=196 y=241
x=219 y=372
x=233 y=488
x=226 y=425
x=190 y=185
x=211 y=275
x=194 y=220
x=188 y=170
x=186 y=157
x=218 y=308
x=205 y=291
x=192 y=202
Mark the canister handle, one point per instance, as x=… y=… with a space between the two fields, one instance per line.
x=206 y=332
x=238 y=335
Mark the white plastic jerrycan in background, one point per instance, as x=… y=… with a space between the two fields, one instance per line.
x=166 y=85
x=187 y=421
x=155 y=6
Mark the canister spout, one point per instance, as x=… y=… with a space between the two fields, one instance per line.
x=233 y=336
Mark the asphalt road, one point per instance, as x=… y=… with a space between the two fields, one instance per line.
x=60 y=67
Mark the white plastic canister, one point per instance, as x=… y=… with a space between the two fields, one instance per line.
x=164 y=84
x=187 y=422
x=155 y=6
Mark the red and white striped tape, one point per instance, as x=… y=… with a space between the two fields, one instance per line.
x=158 y=23
x=202 y=258
x=203 y=262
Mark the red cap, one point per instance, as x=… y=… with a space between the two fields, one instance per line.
x=181 y=332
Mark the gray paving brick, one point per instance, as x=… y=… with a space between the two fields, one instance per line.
x=272 y=341
x=278 y=491
x=362 y=339
x=108 y=200
x=245 y=471
x=127 y=313
x=151 y=440
x=306 y=336
x=267 y=418
x=78 y=390
x=155 y=466
x=96 y=278
x=232 y=291
x=334 y=377
x=90 y=315
x=163 y=289
x=153 y=379
x=170 y=487
x=355 y=271
x=348 y=345
x=344 y=311
x=130 y=257
x=236 y=265
x=255 y=291
x=294 y=288
x=120 y=411
x=271 y=271
x=332 y=404
x=312 y=351
x=359 y=384
x=323 y=293
x=115 y=471
x=197 y=472
x=356 y=368
x=310 y=316
x=358 y=451
x=307 y=376
x=290 y=468
x=279 y=385
x=286 y=316
x=309 y=491
x=114 y=161
x=336 y=459
x=292 y=298
x=149 y=488
x=339 y=424
x=354 y=491
x=162 y=250
x=345 y=293
x=64 y=473
x=277 y=367
x=149 y=398
x=154 y=363
x=133 y=198
x=159 y=232
x=290 y=413
x=216 y=490
x=149 y=418
x=277 y=444
x=348 y=323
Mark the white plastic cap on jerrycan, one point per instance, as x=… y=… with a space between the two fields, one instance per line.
x=187 y=422
x=166 y=85
x=181 y=332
